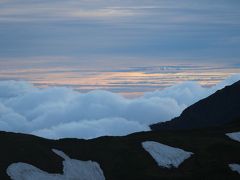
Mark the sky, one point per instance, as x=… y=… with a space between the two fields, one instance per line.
x=88 y=68
x=127 y=47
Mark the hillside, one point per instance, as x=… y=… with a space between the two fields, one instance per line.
x=218 y=109
x=196 y=145
x=124 y=158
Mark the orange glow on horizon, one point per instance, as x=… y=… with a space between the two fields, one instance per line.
x=128 y=83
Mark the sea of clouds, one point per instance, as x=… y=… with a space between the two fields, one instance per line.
x=57 y=112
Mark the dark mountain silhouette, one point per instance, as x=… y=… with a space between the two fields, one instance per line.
x=218 y=109
x=124 y=158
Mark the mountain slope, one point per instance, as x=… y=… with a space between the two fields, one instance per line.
x=125 y=158
x=220 y=108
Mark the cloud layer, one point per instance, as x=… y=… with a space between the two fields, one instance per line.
x=161 y=30
x=56 y=112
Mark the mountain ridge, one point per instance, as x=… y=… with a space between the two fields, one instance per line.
x=125 y=158
x=215 y=110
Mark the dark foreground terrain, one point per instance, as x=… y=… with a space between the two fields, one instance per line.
x=216 y=110
x=200 y=129
x=124 y=158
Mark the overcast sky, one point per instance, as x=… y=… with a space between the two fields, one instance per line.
x=159 y=29
x=115 y=35
x=128 y=48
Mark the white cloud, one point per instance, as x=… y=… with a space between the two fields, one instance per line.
x=62 y=112
x=166 y=11
x=92 y=128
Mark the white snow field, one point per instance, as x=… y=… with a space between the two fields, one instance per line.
x=166 y=156
x=234 y=135
x=72 y=169
x=235 y=167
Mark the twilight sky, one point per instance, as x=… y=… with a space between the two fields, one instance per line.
x=127 y=47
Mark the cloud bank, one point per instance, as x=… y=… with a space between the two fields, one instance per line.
x=57 y=112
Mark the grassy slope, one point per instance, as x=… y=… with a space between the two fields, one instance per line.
x=124 y=158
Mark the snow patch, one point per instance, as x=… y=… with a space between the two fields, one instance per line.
x=72 y=169
x=166 y=156
x=235 y=136
x=235 y=167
